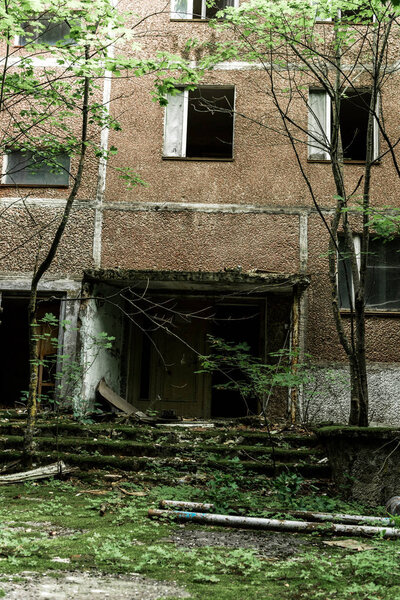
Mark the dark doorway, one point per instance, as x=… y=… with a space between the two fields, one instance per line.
x=237 y=323
x=14 y=354
x=14 y=351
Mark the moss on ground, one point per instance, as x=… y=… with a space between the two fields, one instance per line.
x=63 y=519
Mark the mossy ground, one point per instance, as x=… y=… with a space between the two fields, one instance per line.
x=62 y=519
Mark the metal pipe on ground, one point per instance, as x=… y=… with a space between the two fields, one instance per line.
x=300 y=514
x=275 y=524
x=186 y=505
x=341 y=518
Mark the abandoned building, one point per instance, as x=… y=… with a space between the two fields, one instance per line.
x=222 y=240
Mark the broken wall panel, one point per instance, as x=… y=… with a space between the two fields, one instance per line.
x=99 y=317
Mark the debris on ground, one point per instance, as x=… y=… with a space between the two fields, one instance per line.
x=116 y=401
x=58 y=468
x=349 y=545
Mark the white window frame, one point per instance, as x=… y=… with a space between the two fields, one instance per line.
x=325 y=125
x=188 y=15
x=357 y=239
x=328 y=126
x=357 y=249
x=181 y=139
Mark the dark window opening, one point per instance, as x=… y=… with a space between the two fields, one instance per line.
x=25 y=168
x=382 y=282
x=210 y=122
x=357 y=13
x=45 y=30
x=354 y=111
x=382 y=286
x=212 y=7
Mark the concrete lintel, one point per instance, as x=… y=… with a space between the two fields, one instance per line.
x=20 y=202
x=204 y=208
x=23 y=284
x=255 y=282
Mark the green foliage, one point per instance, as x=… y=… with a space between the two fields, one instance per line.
x=70 y=371
x=287 y=486
x=248 y=374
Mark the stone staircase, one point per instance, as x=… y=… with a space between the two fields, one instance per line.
x=167 y=452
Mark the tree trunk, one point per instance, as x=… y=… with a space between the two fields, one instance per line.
x=29 y=444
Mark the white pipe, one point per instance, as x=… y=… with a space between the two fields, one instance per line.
x=259 y=523
x=341 y=518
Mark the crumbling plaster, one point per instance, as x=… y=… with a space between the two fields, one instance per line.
x=98 y=316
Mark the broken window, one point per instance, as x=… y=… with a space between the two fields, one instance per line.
x=354 y=112
x=382 y=283
x=199 y=9
x=199 y=123
x=24 y=168
x=45 y=29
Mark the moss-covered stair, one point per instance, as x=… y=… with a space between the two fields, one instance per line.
x=163 y=453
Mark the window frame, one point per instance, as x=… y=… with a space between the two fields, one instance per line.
x=338 y=17
x=184 y=94
x=328 y=129
x=203 y=19
x=18 y=39
x=369 y=310
x=11 y=184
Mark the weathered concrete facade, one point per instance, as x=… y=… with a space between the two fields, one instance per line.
x=250 y=214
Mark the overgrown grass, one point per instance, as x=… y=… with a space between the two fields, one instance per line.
x=60 y=519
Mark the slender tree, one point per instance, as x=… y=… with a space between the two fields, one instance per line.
x=310 y=58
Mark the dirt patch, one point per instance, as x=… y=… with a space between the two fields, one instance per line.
x=267 y=544
x=85 y=586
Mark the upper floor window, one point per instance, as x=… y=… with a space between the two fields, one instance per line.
x=354 y=113
x=382 y=281
x=23 y=168
x=44 y=29
x=355 y=12
x=199 y=9
x=199 y=123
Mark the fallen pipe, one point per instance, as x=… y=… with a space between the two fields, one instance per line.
x=300 y=514
x=185 y=505
x=341 y=518
x=275 y=524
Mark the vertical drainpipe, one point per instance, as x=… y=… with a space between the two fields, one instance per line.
x=101 y=178
x=298 y=319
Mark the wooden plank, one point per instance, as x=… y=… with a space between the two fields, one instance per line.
x=41 y=473
x=108 y=394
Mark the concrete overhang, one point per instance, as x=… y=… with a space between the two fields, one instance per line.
x=254 y=282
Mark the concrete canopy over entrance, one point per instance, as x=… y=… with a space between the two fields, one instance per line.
x=162 y=321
